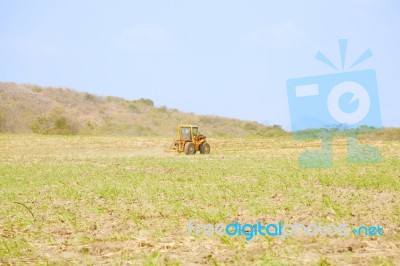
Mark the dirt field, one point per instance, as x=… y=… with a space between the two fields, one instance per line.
x=120 y=200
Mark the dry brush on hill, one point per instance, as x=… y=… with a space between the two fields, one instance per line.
x=63 y=111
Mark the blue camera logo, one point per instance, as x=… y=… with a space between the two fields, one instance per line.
x=321 y=106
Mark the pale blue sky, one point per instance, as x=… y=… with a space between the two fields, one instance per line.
x=226 y=58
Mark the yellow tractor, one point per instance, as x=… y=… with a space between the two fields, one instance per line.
x=190 y=140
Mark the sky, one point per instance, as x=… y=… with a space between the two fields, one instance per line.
x=226 y=58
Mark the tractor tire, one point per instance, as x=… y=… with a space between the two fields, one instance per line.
x=189 y=148
x=205 y=148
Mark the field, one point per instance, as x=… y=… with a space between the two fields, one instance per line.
x=124 y=200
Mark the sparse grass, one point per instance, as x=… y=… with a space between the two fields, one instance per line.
x=93 y=200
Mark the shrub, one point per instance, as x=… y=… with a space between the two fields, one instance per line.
x=90 y=125
x=249 y=126
x=114 y=99
x=162 y=109
x=145 y=101
x=42 y=125
x=90 y=97
x=133 y=107
x=37 y=89
x=54 y=123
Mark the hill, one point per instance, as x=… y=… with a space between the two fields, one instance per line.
x=33 y=109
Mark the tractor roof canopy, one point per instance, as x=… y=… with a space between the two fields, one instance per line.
x=186 y=125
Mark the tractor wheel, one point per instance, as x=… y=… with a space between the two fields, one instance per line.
x=205 y=148
x=189 y=148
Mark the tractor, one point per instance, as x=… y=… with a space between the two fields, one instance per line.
x=190 y=140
